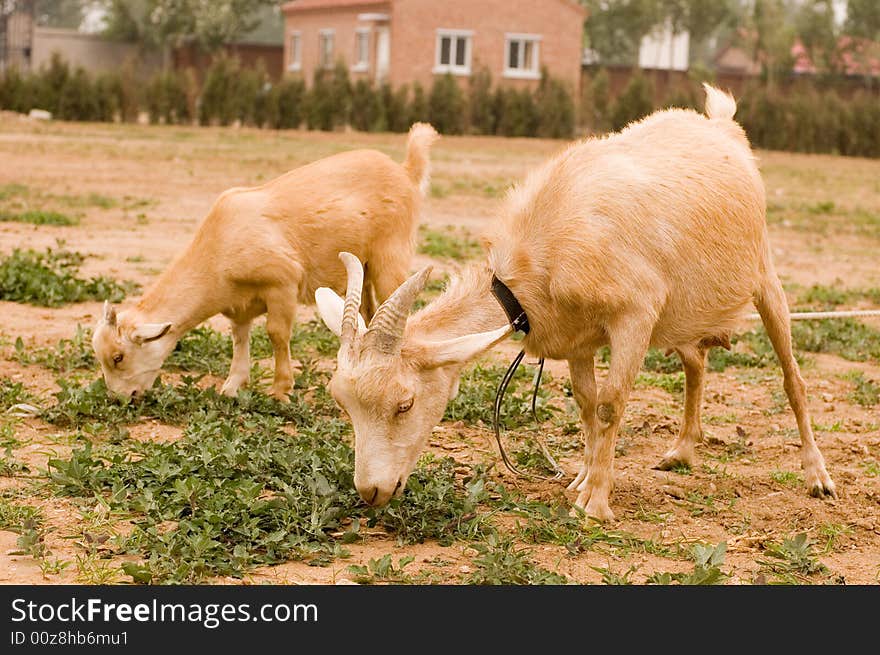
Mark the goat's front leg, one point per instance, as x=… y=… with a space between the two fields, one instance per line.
x=629 y=336
x=281 y=309
x=583 y=386
x=240 y=369
x=682 y=452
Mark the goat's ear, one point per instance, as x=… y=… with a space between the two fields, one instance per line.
x=330 y=306
x=433 y=354
x=147 y=332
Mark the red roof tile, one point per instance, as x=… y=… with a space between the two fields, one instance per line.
x=302 y=5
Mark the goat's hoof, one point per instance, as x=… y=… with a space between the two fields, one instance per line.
x=280 y=396
x=599 y=511
x=230 y=389
x=672 y=462
x=594 y=506
x=821 y=485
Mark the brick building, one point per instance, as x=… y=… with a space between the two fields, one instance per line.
x=404 y=41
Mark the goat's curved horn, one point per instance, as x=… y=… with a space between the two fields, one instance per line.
x=355 y=270
x=109 y=314
x=386 y=328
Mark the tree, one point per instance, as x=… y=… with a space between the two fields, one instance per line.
x=769 y=36
x=863 y=19
x=699 y=18
x=59 y=13
x=614 y=28
x=819 y=34
x=863 y=26
x=167 y=24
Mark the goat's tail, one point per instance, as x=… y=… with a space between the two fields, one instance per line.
x=417 y=162
x=718 y=103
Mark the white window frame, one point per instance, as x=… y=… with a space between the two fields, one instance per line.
x=454 y=36
x=361 y=65
x=533 y=73
x=324 y=34
x=295 y=43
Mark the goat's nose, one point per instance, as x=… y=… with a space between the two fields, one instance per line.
x=370 y=496
x=399 y=482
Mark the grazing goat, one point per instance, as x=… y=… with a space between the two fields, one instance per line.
x=654 y=236
x=263 y=249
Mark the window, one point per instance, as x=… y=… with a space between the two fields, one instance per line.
x=453 y=52
x=521 y=56
x=325 y=47
x=361 y=49
x=294 y=63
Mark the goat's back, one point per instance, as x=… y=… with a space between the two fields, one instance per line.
x=354 y=201
x=667 y=213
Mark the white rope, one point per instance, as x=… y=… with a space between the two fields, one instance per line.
x=804 y=316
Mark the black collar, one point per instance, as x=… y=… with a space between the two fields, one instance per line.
x=515 y=312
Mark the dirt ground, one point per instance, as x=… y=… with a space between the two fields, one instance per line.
x=165 y=180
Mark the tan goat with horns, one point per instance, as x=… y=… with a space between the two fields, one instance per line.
x=654 y=236
x=262 y=250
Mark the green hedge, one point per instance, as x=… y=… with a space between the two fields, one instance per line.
x=799 y=117
x=231 y=93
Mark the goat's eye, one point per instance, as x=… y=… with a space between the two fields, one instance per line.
x=117 y=358
x=405 y=406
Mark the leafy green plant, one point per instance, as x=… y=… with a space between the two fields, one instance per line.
x=785 y=478
x=610 y=577
x=9 y=466
x=27 y=521
x=49 y=279
x=13 y=393
x=68 y=354
x=38 y=217
x=846 y=337
x=448 y=243
x=792 y=561
x=707 y=568
x=436 y=506
x=500 y=562
x=381 y=570
x=476 y=397
x=670 y=382
x=866 y=392
x=555 y=524
x=91 y=407
x=238 y=490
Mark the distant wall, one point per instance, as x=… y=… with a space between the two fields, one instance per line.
x=249 y=55
x=92 y=52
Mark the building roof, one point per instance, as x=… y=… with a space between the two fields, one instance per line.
x=854 y=57
x=307 y=5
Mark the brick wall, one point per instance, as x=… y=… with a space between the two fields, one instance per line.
x=413 y=31
x=414 y=25
x=344 y=21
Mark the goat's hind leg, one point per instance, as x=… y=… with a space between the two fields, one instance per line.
x=693 y=358
x=773 y=307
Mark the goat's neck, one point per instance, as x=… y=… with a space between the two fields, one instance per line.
x=181 y=296
x=468 y=306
